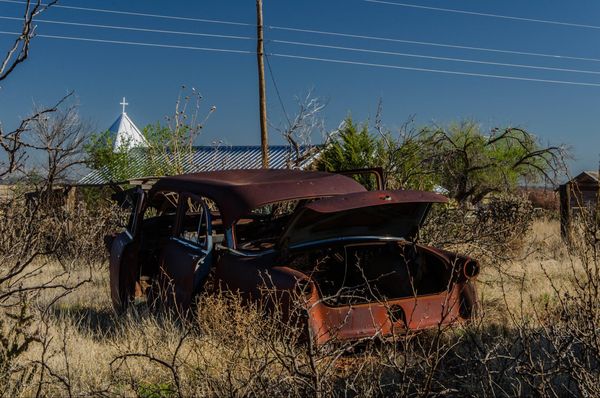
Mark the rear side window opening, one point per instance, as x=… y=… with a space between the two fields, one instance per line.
x=195 y=218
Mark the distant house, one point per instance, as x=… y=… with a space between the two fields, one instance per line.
x=582 y=190
x=575 y=194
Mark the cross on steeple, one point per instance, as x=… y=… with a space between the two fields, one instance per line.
x=124 y=104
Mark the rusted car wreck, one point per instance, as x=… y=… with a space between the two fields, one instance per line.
x=351 y=252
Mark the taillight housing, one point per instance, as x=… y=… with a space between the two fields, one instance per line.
x=470 y=268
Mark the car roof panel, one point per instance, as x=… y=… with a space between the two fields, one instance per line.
x=237 y=192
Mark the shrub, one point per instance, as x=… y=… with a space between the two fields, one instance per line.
x=497 y=227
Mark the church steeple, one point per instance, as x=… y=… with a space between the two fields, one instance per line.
x=124 y=133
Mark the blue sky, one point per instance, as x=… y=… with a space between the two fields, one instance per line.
x=151 y=77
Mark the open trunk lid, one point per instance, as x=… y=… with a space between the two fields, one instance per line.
x=397 y=214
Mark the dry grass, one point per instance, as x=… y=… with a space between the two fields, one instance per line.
x=515 y=286
x=233 y=350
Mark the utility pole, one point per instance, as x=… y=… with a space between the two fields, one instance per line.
x=262 y=92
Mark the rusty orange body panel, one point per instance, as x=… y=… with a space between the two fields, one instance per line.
x=375 y=319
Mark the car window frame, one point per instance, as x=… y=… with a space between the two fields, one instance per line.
x=148 y=200
x=138 y=198
x=206 y=217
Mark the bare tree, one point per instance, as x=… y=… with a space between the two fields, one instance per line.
x=60 y=136
x=20 y=48
x=299 y=130
x=12 y=142
x=24 y=231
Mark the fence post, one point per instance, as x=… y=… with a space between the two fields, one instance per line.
x=564 y=191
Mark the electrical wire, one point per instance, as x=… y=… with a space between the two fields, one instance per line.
x=330 y=60
x=174 y=32
x=136 y=43
x=473 y=61
x=425 y=43
x=506 y=77
x=316 y=45
x=339 y=34
x=277 y=89
x=139 y=14
x=451 y=10
x=483 y=14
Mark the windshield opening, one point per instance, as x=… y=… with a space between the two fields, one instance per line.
x=262 y=228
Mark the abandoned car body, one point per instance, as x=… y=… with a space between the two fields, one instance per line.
x=349 y=252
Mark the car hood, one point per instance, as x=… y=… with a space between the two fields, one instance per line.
x=397 y=214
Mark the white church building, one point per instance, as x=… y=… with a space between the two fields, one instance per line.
x=126 y=136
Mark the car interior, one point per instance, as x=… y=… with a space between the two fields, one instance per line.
x=262 y=229
x=157 y=227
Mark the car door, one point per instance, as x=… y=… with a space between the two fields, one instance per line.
x=124 y=248
x=186 y=259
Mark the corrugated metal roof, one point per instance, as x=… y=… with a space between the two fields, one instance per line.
x=210 y=158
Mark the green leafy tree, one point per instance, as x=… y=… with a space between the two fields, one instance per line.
x=157 y=159
x=115 y=165
x=352 y=147
x=461 y=158
x=471 y=164
x=161 y=156
x=406 y=163
x=401 y=157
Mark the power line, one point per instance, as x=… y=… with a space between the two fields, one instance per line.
x=506 y=77
x=175 y=32
x=425 y=43
x=483 y=14
x=451 y=10
x=473 y=61
x=338 y=34
x=277 y=89
x=139 y=14
x=136 y=43
x=331 y=60
x=309 y=45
